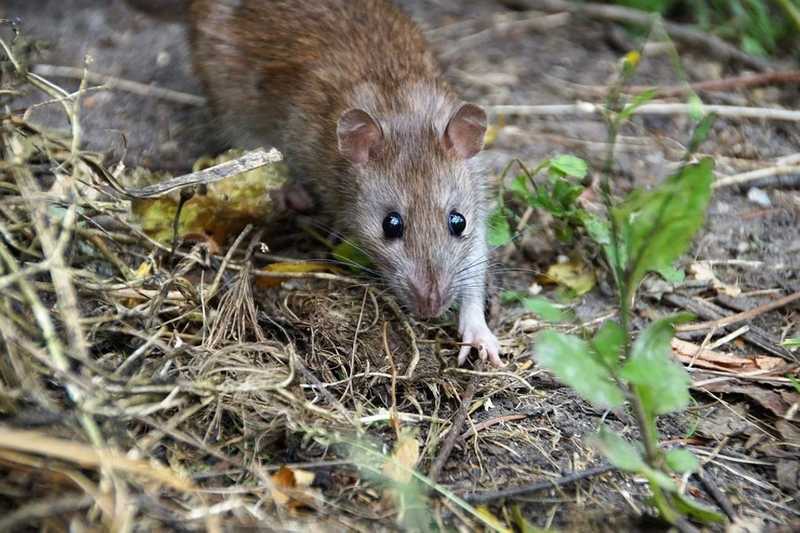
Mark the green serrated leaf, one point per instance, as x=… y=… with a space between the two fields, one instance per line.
x=569 y=165
x=573 y=362
x=682 y=460
x=618 y=451
x=700 y=512
x=499 y=229
x=660 y=381
x=657 y=226
x=608 y=343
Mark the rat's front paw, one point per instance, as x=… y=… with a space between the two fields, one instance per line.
x=479 y=336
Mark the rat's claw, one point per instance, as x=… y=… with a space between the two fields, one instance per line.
x=479 y=336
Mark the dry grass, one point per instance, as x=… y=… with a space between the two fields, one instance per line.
x=144 y=385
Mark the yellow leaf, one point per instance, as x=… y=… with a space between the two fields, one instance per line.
x=487 y=515
x=400 y=466
x=574 y=275
x=222 y=211
x=144 y=270
x=268 y=282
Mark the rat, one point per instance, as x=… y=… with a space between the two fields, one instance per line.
x=352 y=95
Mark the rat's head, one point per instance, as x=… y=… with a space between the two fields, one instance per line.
x=419 y=207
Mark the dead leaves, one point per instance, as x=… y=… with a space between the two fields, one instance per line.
x=696 y=356
x=574 y=275
x=223 y=208
x=291 y=489
x=703 y=271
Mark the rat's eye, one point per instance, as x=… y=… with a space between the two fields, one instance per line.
x=393 y=226
x=456 y=222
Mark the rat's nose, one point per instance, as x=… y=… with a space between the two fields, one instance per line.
x=429 y=298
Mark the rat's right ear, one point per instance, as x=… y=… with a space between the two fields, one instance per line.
x=465 y=131
x=360 y=136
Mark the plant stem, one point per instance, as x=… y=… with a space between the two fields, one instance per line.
x=791 y=11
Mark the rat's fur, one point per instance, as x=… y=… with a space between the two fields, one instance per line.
x=285 y=72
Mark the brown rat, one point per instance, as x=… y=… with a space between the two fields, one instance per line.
x=349 y=91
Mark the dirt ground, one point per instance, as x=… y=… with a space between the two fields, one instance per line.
x=737 y=427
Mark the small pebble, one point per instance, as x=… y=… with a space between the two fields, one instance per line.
x=759 y=196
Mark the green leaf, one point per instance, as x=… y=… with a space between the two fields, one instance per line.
x=795 y=382
x=618 y=451
x=608 y=342
x=657 y=226
x=600 y=232
x=572 y=361
x=682 y=460
x=519 y=186
x=348 y=253
x=690 y=507
x=661 y=382
x=544 y=308
x=565 y=194
x=508 y=297
x=540 y=305
x=636 y=102
x=499 y=231
x=701 y=131
x=569 y=165
x=791 y=343
x=656 y=477
x=753 y=47
x=695 y=107
x=672 y=274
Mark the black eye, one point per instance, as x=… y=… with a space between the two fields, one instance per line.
x=393 y=226
x=457 y=223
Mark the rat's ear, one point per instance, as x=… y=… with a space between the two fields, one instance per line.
x=360 y=136
x=465 y=131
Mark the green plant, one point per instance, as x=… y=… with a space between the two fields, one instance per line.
x=557 y=196
x=647 y=231
x=760 y=27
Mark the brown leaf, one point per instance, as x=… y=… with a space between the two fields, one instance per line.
x=768 y=399
x=291 y=488
x=690 y=353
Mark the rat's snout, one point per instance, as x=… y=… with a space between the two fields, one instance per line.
x=428 y=297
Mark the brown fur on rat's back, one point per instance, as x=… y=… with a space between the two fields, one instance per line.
x=282 y=73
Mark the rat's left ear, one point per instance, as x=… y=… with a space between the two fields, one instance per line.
x=465 y=131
